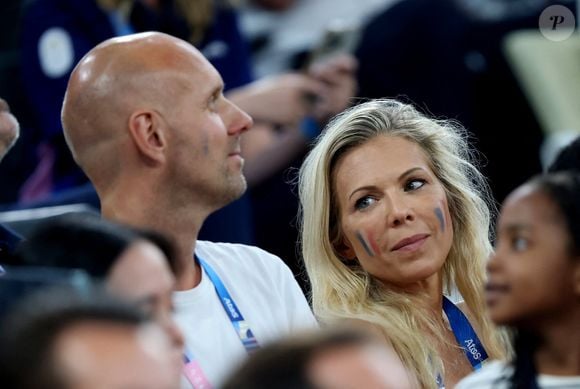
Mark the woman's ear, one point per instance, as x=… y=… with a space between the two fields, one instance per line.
x=147 y=130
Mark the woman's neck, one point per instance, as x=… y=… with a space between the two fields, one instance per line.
x=559 y=350
x=428 y=291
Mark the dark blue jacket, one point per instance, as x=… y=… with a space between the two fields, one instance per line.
x=65 y=27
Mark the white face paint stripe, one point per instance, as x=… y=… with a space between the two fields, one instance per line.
x=56 y=52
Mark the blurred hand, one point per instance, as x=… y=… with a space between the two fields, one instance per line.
x=9 y=129
x=338 y=75
x=281 y=100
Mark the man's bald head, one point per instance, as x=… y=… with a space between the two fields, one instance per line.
x=115 y=79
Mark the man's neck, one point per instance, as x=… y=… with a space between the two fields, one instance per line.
x=181 y=226
x=559 y=351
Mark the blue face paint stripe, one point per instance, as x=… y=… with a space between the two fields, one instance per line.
x=439 y=214
x=364 y=244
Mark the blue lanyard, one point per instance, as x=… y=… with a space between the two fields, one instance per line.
x=240 y=325
x=465 y=334
x=192 y=369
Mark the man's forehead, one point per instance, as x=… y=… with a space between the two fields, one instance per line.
x=201 y=75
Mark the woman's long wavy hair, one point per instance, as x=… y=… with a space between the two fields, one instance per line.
x=341 y=291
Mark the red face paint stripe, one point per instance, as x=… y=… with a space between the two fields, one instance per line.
x=364 y=243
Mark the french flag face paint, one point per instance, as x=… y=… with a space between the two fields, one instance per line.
x=368 y=243
x=441 y=218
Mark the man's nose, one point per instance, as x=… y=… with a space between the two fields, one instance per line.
x=238 y=120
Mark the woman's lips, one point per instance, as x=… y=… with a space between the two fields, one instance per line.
x=411 y=243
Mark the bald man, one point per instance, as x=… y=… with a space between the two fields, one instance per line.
x=145 y=118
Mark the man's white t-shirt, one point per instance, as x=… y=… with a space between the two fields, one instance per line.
x=496 y=375
x=265 y=292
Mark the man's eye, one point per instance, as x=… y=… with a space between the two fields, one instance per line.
x=520 y=244
x=213 y=102
x=364 y=202
x=414 y=184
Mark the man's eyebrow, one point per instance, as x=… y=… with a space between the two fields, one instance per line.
x=218 y=89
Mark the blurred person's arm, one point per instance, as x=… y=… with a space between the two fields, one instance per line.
x=281 y=100
x=267 y=150
x=337 y=74
x=269 y=147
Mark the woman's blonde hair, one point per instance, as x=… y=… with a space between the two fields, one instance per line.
x=341 y=291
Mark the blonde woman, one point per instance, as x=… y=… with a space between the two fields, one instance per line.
x=394 y=216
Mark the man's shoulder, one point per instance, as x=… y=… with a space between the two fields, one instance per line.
x=235 y=254
x=262 y=281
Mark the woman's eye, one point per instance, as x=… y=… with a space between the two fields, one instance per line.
x=364 y=202
x=520 y=244
x=414 y=184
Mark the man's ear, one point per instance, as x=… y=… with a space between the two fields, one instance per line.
x=148 y=133
x=344 y=248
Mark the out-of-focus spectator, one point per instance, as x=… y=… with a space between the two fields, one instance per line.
x=330 y=359
x=534 y=286
x=55 y=36
x=66 y=340
x=134 y=264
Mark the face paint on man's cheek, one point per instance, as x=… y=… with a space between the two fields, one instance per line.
x=439 y=213
x=367 y=246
